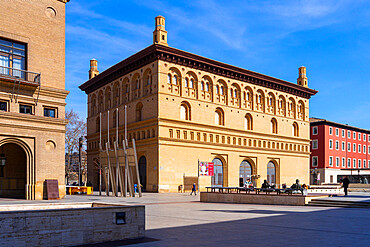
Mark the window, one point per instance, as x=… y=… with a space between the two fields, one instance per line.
x=191 y=83
x=364 y=163
x=175 y=79
x=331 y=144
x=359 y=148
x=359 y=163
x=354 y=135
x=49 y=112
x=336 y=131
x=343 y=162
x=349 y=147
x=26 y=109
x=139 y=112
x=217 y=89
x=368 y=150
x=314 y=144
x=343 y=146
x=330 y=130
x=354 y=163
x=354 y=147
x=202 y=86
x=364 y=138
x=207 y=87
x=12 y=58
x=349 y=163
x=343 y=133
x=186 y=82
x=368 y=165
x=349 y=134
x=337 y=145
x=3 y=106
x=219 y=117
x=185 y=111
x=331 y=161
x=359 y=136
x=169 y=79
x=369 y=138
x=295 y=130
x=314 y=161
x=337 y=161
x=274 y=127
x=314 y=130
x=248 y=122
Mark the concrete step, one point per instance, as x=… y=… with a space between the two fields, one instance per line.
x=336 y=203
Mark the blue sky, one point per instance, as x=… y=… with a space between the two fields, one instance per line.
x=331 y=38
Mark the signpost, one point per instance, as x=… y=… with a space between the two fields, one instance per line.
x=205 y=169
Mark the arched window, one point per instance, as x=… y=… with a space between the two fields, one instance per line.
x=191 y=83
x=274 y=127
x=115 y=119
x=235 y=93
x=271 y=173
x=186 y=82
x=222 y=90
x=219 y=117
x=248 y=122
x=175 y=79
x=107 y=98
x=100 y=101
x=185 y=111
x=295 y=130
x=217 y=180
x=245 y=172
x=202 y=86
x=217 y=89
x=97 y=125
x=116 y=94
x=231 y=92
x=139 y=112
x=169 y=80
x=93 y=105
x=259 y=99
x=207 y=87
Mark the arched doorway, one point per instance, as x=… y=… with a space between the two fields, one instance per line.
x=271 y=173
x=245 y=172
x=13 y=177
x=142 y=172
x=218 y=178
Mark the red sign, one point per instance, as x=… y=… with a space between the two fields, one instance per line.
x=206 y=169
x=211 y=170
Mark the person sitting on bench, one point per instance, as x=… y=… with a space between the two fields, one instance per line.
x=296 y=186
x=265 y=185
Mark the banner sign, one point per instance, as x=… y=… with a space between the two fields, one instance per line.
x=206 y=169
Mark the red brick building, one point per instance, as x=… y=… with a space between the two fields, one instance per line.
x=338 y=150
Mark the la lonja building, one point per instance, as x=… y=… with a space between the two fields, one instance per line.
x=183 y=108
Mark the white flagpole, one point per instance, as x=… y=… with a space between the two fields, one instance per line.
x=100 y=132
x=108 y=130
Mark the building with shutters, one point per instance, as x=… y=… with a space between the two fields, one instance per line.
x=32 y=96
x=183 y=108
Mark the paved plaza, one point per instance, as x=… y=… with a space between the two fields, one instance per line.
x=181 y=220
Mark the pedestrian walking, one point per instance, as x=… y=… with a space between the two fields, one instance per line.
x=345 y=183
x=193 y=189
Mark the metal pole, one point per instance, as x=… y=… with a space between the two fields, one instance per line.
x=116 y=148
x=126 y=146
x=108 y=130
x=79 y=160
x=100 y=132
x=198 y=175
x=125 y=122
x=100 y=168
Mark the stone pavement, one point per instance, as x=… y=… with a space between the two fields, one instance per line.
x=181 y=220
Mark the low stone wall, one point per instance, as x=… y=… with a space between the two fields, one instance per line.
x=295 y=200
x=69 y=224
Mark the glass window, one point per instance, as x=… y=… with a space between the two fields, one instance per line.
x=314 y=144
x=354 y=147
x=3 y=106
x=330 y=161
x=343 y=133
x=349 y=147
x=331 y=144
x=26 y=109
x=343 y=162
x=337 y=161
x=314 y=161
x=354 y=135
x=349 y=163
x=359 y=148
x=359 y=136
x=186 y=82
x=359 y=163
x=364 y=138
x=336 y=131
x=330 y=130
x=49 y=112
x=12 y=58
x=343 y=146
x=364 y=163
x=349 y=134
x=354 y=163
x=337 y=145
x=314 y=130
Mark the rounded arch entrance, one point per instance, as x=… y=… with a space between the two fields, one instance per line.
x=245 y=172
x=16 y=176
x=142 y=172
x=271 y=173
x=217 y=179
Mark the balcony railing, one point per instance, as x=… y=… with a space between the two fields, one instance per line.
x=20 y=75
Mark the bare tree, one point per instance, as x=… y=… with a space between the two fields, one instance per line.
x=75 y=129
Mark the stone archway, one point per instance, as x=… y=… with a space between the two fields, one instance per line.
x=18 y=177
x=142 y=172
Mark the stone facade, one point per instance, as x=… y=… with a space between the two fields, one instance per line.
x=183 y=108
x=39 y=26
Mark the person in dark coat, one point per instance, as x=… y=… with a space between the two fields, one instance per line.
x=193 y=189
x=265 y=185
x=345 y=183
